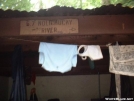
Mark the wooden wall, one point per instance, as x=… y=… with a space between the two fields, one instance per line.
x=93 y=30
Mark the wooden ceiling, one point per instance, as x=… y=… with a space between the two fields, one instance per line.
x=94 y=29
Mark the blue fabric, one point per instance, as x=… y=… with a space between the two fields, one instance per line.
x=57 y=57
x=41 y=58
x=18 y=92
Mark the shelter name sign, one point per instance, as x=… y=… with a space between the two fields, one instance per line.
x=55 y=26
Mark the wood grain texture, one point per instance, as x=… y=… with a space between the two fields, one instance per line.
x=93 y=30
x=90 y=25
x=31 y=61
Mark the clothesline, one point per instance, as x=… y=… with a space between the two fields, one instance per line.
x=34 y=41
x=10 y=38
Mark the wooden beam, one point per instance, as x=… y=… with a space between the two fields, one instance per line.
x=31 y=43
x=83 y=70
x=88 y=25
x=74 y=39
x=31 y=60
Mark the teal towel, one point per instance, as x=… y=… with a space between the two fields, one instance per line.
x=91 y=63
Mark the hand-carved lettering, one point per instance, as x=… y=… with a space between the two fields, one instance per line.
x=51 y=26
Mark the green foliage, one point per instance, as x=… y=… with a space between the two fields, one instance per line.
x=16 y=5
x=89 y=4
x=129 y=3
x=69 y=3
x=29 y=5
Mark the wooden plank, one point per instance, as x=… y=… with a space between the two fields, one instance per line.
x=78 y=39
x=83 y=70
x=31 y=60
x=35 y=46
x=88 y=25
x=42 y=27
x=31 y=43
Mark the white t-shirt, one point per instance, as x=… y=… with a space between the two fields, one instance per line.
x=57 y=57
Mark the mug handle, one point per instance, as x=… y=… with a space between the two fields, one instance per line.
x=84 y=57
x=80 y=54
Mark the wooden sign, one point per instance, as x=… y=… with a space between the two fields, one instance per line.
x=41 y=27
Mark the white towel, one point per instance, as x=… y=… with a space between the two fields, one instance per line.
x=122 y=59
x=91 y=51
x=57 y=57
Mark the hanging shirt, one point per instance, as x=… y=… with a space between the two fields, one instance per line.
x=57 y=57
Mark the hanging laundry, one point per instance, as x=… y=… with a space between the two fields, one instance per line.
x=91 y=63
x=57 y=57
x=18 y=92
x=125 y=87
x=91 y=51
x=41 y=57
x=122 y=59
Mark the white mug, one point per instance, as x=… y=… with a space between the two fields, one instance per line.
x=91 y=51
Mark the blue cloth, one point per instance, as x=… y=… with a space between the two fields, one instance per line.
x=57 y=57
